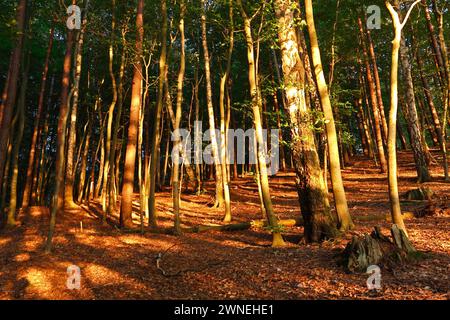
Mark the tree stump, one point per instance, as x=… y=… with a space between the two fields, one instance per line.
x=376 y=249
x=420 y=194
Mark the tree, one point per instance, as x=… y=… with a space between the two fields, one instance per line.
x=311 y=187
x=7 y=105
x=157 y=124
x=345 y=220
x=58 y=197
x=209 y=102
x=392 y=138
x=126 y=207
x=35 y=137
x=277 y=240
x=423 y=174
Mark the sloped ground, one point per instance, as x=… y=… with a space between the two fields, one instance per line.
x=225 y=265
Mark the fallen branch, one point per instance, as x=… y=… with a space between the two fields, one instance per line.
x=243 y=226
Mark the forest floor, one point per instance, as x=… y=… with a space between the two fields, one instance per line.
x=227 y=264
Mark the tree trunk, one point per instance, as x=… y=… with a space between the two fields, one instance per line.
x=261 y=154
x=17 y=141
x=126 y=206
x=423 y=173
x=7 y=105
x=209 y=101
x=112 y=106
x=58 y=198
x=156 y=139
x=311 y=187
x=71 y=144
x=373 y=98
x=377 y=84
x=177 y=138
x=35 y=137
x=223 y=132
x=392 y=139
x=345 y=220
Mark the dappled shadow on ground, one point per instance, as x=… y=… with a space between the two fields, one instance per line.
x=223 y=265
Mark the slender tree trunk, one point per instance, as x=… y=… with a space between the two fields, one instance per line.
x=35 y=137
x=223 y=132
x=427 y=91
x=126 y=208
x=345 y=220
x=71 y=144
x=112 y=106
x=261 y=154
x=423 y=173
x=7 y=105
x=112 y=187
x=377 y=84
x=58 y=198
x=84 y=158
x=17 y=141
x=446 y=89
x=374 y=103
x=392 y=141
x=176 y=134
x=437 y=53
x=156 y=139
x=209 y=101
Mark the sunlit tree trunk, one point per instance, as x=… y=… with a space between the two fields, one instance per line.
x=71 y=144
x=311 y=186
x=156 y=138
x=261 y=154
x=126 y=208
x=177 y=138
x=437 y=50
x=223 y=132
x=392 y=139
x=58 y=198
x=113 y=186
x=345 y=220
x=112 y=106
x=377 y=84
x=374 y=103
x=84 y=158
x=209 y=101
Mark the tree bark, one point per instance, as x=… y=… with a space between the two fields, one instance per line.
x=70 y=166
x=156 y=138
x=423 y=173
x=345 y=220
x=209 y=101
x=7 y=105
x=311 y=187
x=392 y=139
x=374 y=103
x=58 y=198
x=277 y=240
x=35 y=137
x=126 y=208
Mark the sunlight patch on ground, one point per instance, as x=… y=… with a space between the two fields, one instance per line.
x=40 y=282
x=23 y=257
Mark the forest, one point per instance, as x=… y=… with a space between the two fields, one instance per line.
x=224 y=149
